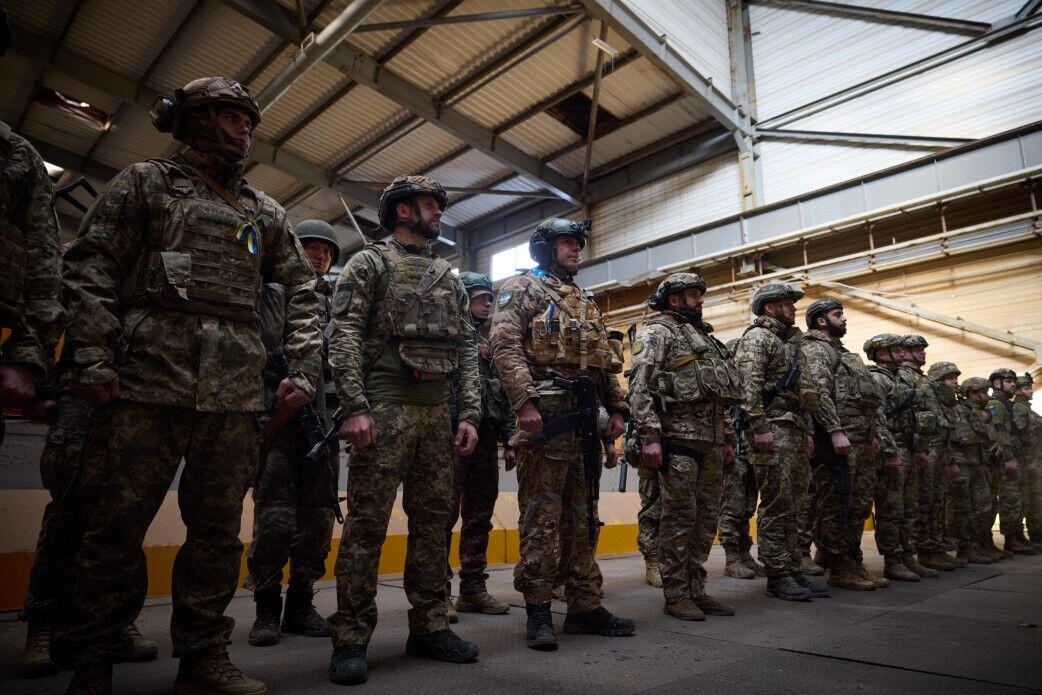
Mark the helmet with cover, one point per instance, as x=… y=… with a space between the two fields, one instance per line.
x=476 y=284
x=939 y=370
x=974 y=383
x=191 y=116
x=1025 y=380
x=1002 y=374
x=544 y=240
x=319 y=230
x=406 y=188
x=676 y=282
x=879 y=342
x=772 y=292
x=914 y=342
x=819 y=307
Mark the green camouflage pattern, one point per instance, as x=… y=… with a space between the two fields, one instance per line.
x=650 y=512
x=739 y=492
x=475 y=488
x=969 y=512
x=1009 y=484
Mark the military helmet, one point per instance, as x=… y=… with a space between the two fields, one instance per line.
x=774 y=291
x=880 y=341
x=819 y=307
x=319 y=230
x=541 y=245
x=675 y=282
x=475 y=283
x=974 y=383
x=914 y=342
x=1002 y=374
x=939 y=370
x=168 y=115
x=1025 y=380
x=404 y=188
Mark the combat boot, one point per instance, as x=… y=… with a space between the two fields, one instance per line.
x=786 y=588
x=748 y=561
x=955 y=560
x=862 y=571
x=450 y=610
x=348 y=665
x=651 y=571
x=91 y=679
x=894 y=568
x=36 y=661
x=809 y=568
x=735 y=567
x=816 y=590
x=821 y=559
x=265 y=631
x=481 y=602
x=991 y=550
x=1014 y=545
x=599 y=622
x=935 y=562
x=443 y=645
x=973 y=555
x=843 y=576
x=710 y=606
x=300 y=616
x=912 y=564
x=209 y=672
x=541 y=635
x=138 y=648
x=683 y=608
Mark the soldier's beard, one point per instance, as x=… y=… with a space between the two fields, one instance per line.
x=692 y=314
x=835 y=330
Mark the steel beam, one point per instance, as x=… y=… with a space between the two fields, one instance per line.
x=72 y=161
x=743 y=92
x=905 y=142
x=872 y=14
x=1029 y=8
x=270 y=15
x=467 y=18
x=666 y=58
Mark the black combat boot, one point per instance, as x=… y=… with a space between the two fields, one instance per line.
x=348 y=665
x=91 y=679
x=300 y=617
x=816 y=590
x=265 y=631
x=443 y=645
x=786 y=588
x=599 y=622
x=541 y=635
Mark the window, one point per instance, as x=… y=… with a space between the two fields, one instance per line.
x=506 y=262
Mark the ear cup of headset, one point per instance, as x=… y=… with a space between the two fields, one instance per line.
x=162 y=114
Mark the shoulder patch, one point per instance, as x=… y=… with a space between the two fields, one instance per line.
x=638 y=347
x=342 y=298
x=504 y=298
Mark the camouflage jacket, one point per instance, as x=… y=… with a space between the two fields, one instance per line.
x=26 y=203
x=945 y=399
x=972 y=435
x=496 y=415
x=666 y=339
x=850 y=401
x=1027 y=426
x=919 y=417
x=521 y=299
x=1000 y=410
x=358 y=348
x=171 y=357
x=763 y=355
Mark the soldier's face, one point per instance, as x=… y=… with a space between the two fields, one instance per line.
x=1027 y=391
x=899 y=354
x=979 y=395
x=320 y=255
x=566 y=253
x=1009 y=386
x=952 y=380
x=237 y=126
x=424 y=213
x=481 y=306
x=835 y=323
x=688 y=302
x=919 y=355
x=784 y=310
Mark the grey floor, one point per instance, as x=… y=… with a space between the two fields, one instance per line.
x=969 y=631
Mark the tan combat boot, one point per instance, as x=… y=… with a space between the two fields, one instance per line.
x=450 y=611
x=209 y=672
x=1015 y=545
x=481 y=602
x=138 y=648
x=651 y=572
x=843 y=576
x=893 y=568
x=912 y=564
x=748 y=561
x=935 y=561
x=809 y=568
x=683 y=608
x=735 y=567
x=974 y=555
x=862 y=571
x=36 y=661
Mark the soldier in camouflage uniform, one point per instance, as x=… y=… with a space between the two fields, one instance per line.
x=944 y=380
x=648 y=518
x=475 y=479
x=970 y=515
x=778 y=398
x=849 y=424
x=682 y=386
x=737 y=506
x=1009 y=469
x=292 y=514
x=1028 y=426
x=546 y=326
x=162 y=287
x=401 y=326
x=893 y=528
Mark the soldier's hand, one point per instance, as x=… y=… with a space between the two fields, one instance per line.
x=359 y=430
x=1011 y=465
x=892 y=462
x=291 y=395
x=98 y=394
x=17 y=386
x=41 y=411
x=651 y=455
x=764 y=442
x=875 y=445
x=840 y=443
x=810 y=446
x=616 y=426
x=611 y=457
x=466 y=438
x=509 y=458
x=529 y=419
x=922 y=458
x=954 y=471
x=1032 y=469
x=728 y=453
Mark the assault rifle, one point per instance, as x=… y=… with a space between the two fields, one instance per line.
x=582 y=422
x=839 y=469
x=788 y=380
x=623 y=464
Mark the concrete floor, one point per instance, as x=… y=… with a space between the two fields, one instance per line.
x=969 y=631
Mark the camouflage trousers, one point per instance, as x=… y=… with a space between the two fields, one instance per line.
x=737 y=503
x=930 y=528
x=1033 y=505
x=62 y=525
x=475 y=487
x=840 y=523
x=292 y=518
x=690 y=511
x=650 y=511
x=413 y=448
x=783 y=478
x=807 y=513
x=969 y=504
x=1011 y=501
x=131 y=455
x=555 y=542
x=896 y=505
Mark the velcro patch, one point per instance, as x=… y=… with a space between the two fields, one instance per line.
x=342 y=298
x=504 y=298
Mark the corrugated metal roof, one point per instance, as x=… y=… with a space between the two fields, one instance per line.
x=129 y=45
x=43 y=17
x=474 y=207
x=59 y=129
x=471 y=169
x=75 y=89
x=132 y=139
x=313 y=87
x=376 y=42
x=272 y=181
x=633 y=88
x=408 y=155
x=540 y=135
x=17 y=71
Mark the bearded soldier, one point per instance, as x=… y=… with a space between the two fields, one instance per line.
x=682 y=386
x=970 y=515
x=549 y=343
x=475 y=479
x=1007 y=467
x=292 y=514
x=163 y=286
x=850 y=431
x=1027 y=424
x=401 y=326
x=944 y=379
x=777 y=400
